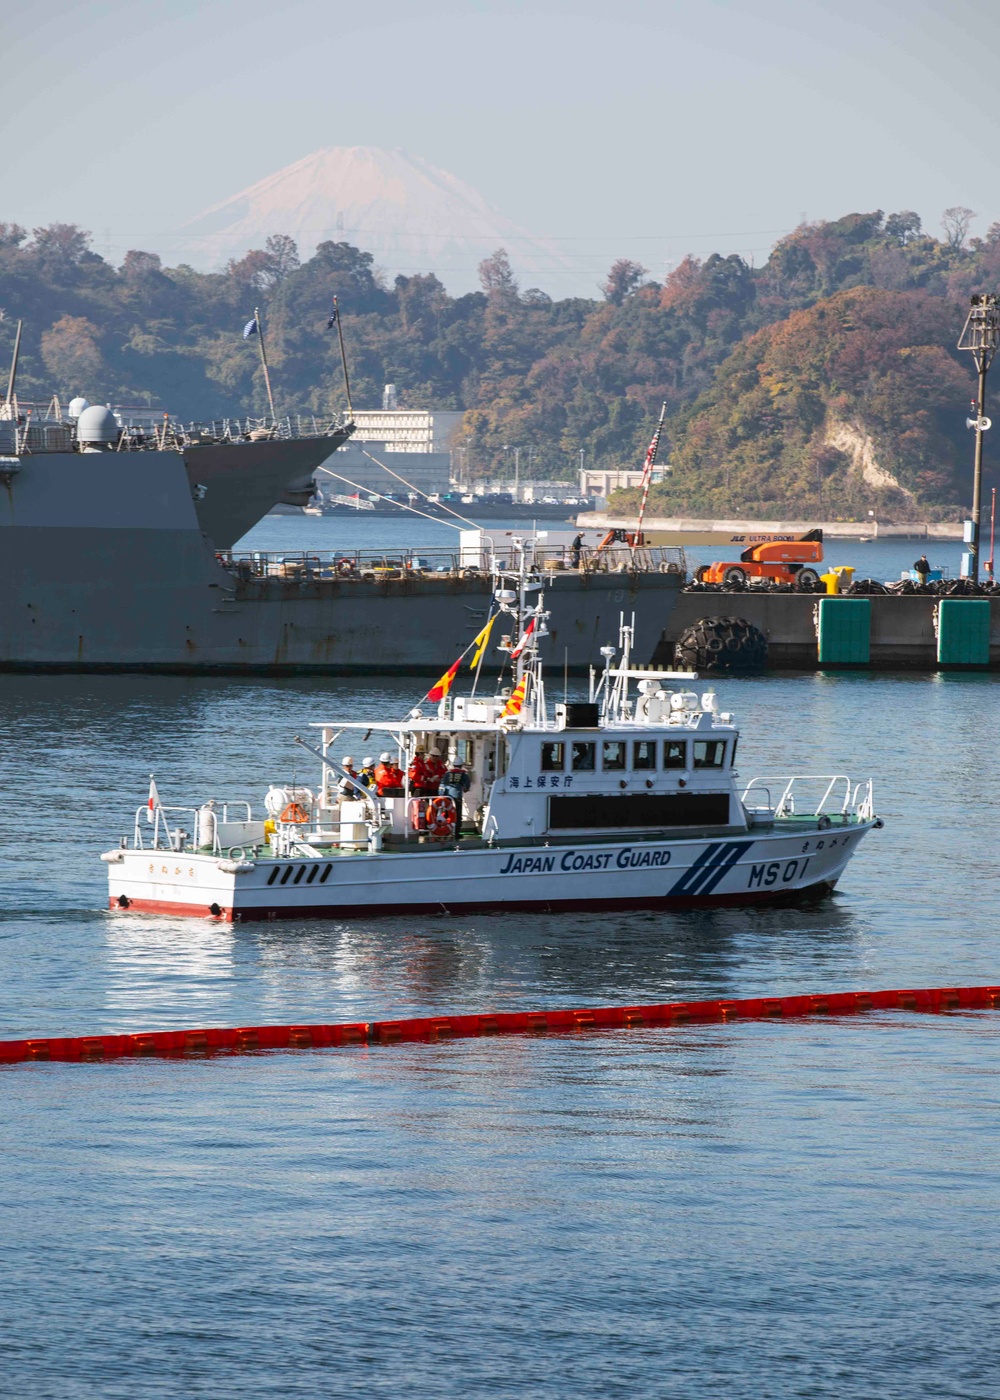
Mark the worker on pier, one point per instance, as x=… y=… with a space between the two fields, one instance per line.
x=922 y=567
x=388 y=777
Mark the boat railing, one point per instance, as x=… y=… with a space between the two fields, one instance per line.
x=808 y=795
x=863 y=800
x=386 y=565
x=162 y=837
x=201 y=828
x=142 y=431
x=369 y=565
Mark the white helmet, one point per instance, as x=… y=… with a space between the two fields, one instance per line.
x=385 y=758
x=367 y=762
x=347 y=760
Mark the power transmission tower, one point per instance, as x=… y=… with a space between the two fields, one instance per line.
x=981 y=336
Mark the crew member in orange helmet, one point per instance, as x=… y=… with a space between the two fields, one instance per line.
x=388 y=778
x=436 y=769
x=421 y=781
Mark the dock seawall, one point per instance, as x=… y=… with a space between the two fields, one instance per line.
x=720 y=531
x=901 y=632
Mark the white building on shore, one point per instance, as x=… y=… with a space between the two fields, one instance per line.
x=422 y=435
x=601 y=481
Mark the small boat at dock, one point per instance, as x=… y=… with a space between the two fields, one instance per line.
x=630 y=799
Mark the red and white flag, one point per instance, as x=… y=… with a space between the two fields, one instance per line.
x=153 y=802
x=523 y=640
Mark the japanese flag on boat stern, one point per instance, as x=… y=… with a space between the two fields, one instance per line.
x=153 y=802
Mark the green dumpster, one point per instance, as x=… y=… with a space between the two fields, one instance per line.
x=843 y=628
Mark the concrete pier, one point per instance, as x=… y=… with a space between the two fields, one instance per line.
x=902 y=633
x=686 y=530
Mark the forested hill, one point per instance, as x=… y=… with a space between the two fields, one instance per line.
x=825 y=382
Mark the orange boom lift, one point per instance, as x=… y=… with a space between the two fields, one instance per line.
x=787 y=561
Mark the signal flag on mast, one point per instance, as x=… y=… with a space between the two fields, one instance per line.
x=522 y=643
x=517 y=697
x=480 y=641
x=440 y=690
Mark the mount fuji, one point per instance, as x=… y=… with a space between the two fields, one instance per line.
x=411 y=215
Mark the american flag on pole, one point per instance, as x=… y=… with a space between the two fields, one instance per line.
x=648 y=465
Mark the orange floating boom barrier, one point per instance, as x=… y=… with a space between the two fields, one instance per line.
x=245 y=1040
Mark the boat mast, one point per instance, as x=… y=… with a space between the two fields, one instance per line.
x=12 y=379
x=335 y=320
x=263 y=361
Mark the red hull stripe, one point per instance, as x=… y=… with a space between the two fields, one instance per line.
x=247 y=1039
x=538 y=906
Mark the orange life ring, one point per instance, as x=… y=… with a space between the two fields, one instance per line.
x=295 y=813
x=441 y=816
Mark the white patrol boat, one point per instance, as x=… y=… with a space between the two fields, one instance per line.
x=630 y=799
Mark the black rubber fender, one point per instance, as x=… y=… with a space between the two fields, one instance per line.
x=721 y=644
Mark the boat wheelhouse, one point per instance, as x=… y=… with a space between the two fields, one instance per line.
x=630 y=798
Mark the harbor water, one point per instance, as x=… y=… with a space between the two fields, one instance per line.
x=747 y=1210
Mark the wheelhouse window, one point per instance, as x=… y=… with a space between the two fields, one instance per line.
x=644 y=753
x=613 y=756
x=709 y=753
x=583 y=756
x=675 y=753
x=553 y=757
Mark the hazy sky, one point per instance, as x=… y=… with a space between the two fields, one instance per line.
x=640 y=129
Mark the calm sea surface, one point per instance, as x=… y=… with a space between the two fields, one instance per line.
x=807 y=1209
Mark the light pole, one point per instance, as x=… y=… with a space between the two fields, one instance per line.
x=980 y=335
x=468 y=479
x=517 y=466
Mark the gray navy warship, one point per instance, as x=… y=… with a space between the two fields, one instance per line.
x=117 y=555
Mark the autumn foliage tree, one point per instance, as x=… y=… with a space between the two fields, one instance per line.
x=72 y=355
x=814 y=381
